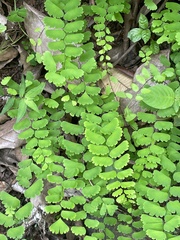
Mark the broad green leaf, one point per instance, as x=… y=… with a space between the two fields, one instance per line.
x=31 y=94
x=24 y=211
x=161 y=178
x=52 y=209
x=154 y=209
x=57 y=45
x=98 y=149
x=26 y=134
x=159 y=97
x=135 y=34
x=91 y=173
x=73 y=147
x=78 y=230
x=16 y=232
x=160 y=235
x=35 y=189
x=74 y=26
x=55 y=78
x=74 y=38
x=23 y=124
x=39 y=123
x=54 y=34
x=175 y=191
x=146 y=35
x=102 y=161
x=68 y=215
x=51 y=103
x=67 y=204
x=113 y=139
x=108 y=175
x=91 y=223
x=120 y=149
x=94 y=138
x=32 y=105
x=172 y=222
x=53 y=22
x=153 y=223
x=9 y=201
x=73 y=14
x=146 y=117
x=73 y=129
x=50 y=65
x=150 y=5
x=90 y=191
x=99 y=10
x=8 y=105
x=59 y=227
x=21 y=110
x=72 y=51
x=122 y=162
x=143 y=21
x=110 y=127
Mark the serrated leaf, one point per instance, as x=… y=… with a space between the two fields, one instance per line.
x=74 y=38
x=35 y=189
x=73 y=129
x=52 y=209
x=98 y=149
x=154 y=209
x=73 y=14
x=23 y=124
x=9 y=201
x=55 y=78
x=53 y=22
x=40 y=123
x=74 y=26
x=72 y=51
x=150 y=5
x=59 y=227
x=24 y=211
x=91 y=173
x=90 y=191
x=91 y=223
x=156 y=234
x=161 y=179
x=120 y=149
x=73 y=147
x=51 y=103
x=16 y=232
x=113 y=139
x=68 y=215
x=122 y=162
x=26 y=134
x=102 y=161
x=78 y=230
x=108 y=175
x=171 y=223
x=110 y=127
x=94 y=138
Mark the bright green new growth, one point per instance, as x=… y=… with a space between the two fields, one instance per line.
x=120 y=179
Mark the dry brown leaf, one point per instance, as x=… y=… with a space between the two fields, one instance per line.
x=32 y=22
x=8 y=54
x=124 y=81
x=8 y=136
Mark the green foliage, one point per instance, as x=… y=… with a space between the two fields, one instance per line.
x=116 y=173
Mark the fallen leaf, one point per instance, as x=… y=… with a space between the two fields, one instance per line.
x=32 y=23
x=8 y=136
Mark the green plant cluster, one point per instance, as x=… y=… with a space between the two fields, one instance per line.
x=117 y=174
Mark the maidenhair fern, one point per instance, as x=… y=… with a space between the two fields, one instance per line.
x=116 y=174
